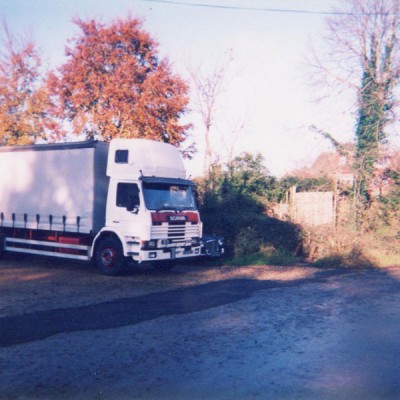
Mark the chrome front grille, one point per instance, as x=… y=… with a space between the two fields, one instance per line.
x=175 y=232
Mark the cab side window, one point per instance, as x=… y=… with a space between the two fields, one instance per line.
x=128 y=196
x=121 y=156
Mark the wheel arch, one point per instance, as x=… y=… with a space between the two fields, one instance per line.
x=106 y=233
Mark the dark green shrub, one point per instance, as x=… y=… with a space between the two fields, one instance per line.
x=241 y=220
x=233 y=203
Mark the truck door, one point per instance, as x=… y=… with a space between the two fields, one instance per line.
x=126 y=204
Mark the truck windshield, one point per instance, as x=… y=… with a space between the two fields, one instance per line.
x=165 y=196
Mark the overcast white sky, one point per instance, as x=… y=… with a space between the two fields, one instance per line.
x=268 y=89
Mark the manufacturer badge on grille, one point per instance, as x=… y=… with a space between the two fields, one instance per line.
x=177 y=218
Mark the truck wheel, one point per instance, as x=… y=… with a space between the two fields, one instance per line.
x=109 y=257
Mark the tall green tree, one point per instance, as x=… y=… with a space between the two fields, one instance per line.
x=374 y=106
x=114 y=84
x=362 y=53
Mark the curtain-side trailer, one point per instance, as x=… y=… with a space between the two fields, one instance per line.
x=106 y=202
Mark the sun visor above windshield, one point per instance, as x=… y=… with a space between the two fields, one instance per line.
x=169 y=181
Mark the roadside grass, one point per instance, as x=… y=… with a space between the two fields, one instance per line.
x=385 y=260
x=366 y=252
x=369 y=259
x=355 y=259
x=265 y=256
x=325 y=247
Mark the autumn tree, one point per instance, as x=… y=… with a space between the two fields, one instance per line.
x=24 y=101
x=362 y=53
x=114 y=84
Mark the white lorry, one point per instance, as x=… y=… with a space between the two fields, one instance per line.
x=109 y=203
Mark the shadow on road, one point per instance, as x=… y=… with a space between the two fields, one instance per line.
x=133 y=310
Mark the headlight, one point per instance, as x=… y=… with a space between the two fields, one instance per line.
x=149 y=244
x=195 y=241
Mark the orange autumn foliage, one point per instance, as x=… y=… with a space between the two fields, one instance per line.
x=114 y=84
x=24 y=102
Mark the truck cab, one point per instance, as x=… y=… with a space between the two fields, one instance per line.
x=151 y=211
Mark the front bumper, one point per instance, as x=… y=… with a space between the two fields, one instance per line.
x=171 y=253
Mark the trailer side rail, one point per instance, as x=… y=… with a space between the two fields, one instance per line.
x=53 y=249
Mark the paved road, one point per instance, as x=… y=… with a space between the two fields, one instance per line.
x=332 y=336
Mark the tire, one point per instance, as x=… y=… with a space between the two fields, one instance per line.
x=109 y=256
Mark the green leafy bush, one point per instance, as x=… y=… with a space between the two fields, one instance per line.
x=232 y=204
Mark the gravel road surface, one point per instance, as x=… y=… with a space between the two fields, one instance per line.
x=199 y=332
